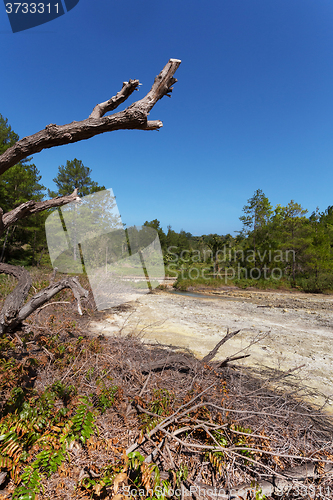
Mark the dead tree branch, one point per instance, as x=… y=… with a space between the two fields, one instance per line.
x=16 y=298
x=33 y=207
x=133 y=117
x=102 y=108
x=211 y=355
x=183 y=363
x=14 y=312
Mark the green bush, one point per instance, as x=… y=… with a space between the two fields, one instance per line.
x=315 y=284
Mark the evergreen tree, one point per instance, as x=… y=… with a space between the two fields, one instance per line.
x=326 y=220
x=321 y=255
x=7 y=135
x=19 y=184
x=155 y=224
x=214 y=243
x=258 y=213
x=74 y=175
x=293 y=230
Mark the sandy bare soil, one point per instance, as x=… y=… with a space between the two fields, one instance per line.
x=285 y=330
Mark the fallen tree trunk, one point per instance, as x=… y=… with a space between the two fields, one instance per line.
x=14 y=310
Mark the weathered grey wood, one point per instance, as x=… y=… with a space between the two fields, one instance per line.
x=214 y=351
x=14 y=312
x=102 y=108
x=16 y=298
x=133 y=117
x=33 y=207
x=274 y=485
x=45 y=295
x=181 y=362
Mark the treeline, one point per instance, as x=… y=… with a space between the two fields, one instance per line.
x=288 y=243
x=281 y=246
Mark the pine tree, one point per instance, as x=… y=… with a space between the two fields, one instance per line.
x=258 y=213
x=214 y=243
x=293 y=229
x=320 y=257
x=155 y=224
x=74 y=175
x=20 y=184
x=7 y=135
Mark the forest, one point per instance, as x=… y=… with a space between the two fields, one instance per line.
x=277 y=248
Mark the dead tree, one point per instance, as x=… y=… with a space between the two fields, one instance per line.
x=135 y=116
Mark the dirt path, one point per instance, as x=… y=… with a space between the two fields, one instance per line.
x=290 y=330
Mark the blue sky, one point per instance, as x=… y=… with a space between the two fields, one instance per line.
x=252 y=109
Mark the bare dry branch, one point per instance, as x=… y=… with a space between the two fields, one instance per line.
x=133 y=117
x=214 y=351
x=45 y=295
x=34 y=207
x=102 y=108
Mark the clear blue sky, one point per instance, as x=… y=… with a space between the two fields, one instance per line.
x=253 y=106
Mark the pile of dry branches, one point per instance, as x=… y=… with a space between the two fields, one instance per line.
x=203 y=429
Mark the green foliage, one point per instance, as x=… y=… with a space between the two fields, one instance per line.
x=316 y=284
x=83 y=421
x=225 y=438
x=135 y=459
x=74 y=175
x=21 y=242
x=181 y=474
x=161 y=406
x=147 y=477
x=257 y=213
x=31 y=480
x=258 y=492
x=280 y=248
x=106 y=396
x=7 y=135
x=36 y=425
x=63 y=391
x=262 y=284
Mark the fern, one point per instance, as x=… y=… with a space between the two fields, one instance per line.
x=83 y=422
x=162 y=402
x=217 y=460
x=31 y=482
x=147 y=476
x=106 y=397
x=49 y=461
